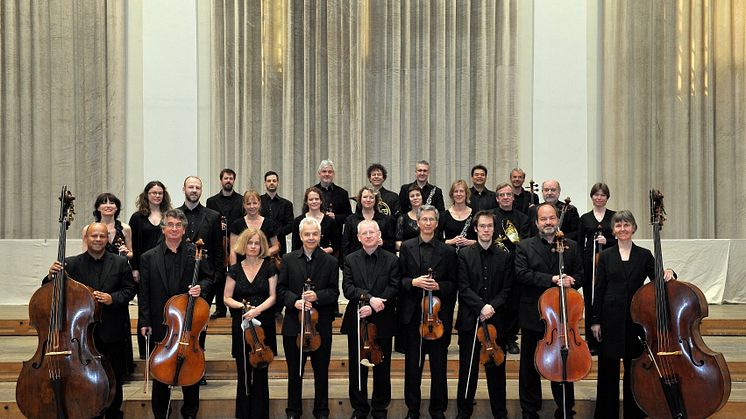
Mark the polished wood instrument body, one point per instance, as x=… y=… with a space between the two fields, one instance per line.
x=179 y=360
x=370 y=352
x=677 y=375
x=431 y=327
x=491 y=352
x=67 y=377
x=308 y=339
x=261 y=355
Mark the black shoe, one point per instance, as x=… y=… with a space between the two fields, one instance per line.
x=217 y=315
x=322 y=417
x=593 y=351
x=513 y=348
x=203 y=382
x=412 y=416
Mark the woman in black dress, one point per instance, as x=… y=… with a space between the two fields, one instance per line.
x=622 y=270
x=595 y=229
x=406 y=223
x=367 y=209
x=331 y=238
x=252 y=206
x=254 y=280
x=454 y=226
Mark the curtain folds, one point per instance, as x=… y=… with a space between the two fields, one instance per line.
x=357 y=82
x=674 y=113
x=61 y=110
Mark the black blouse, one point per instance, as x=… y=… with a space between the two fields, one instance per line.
x=406 y=228
x=254 y=292
x=449 y=227
x=330 y=234
x=587 y=232
x=145 y=236
x=269 y=228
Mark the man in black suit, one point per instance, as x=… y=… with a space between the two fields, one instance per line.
x=276 y=208
x=426 y=264
x=335 y=198
x=372 y=273
x=111 y=278
x=431 y=194
x=167 y=270
x=550 y=190
x=485 y=275
x=482 y=198
x=308 y=262
x=377 y=174
x=537 y=269
x=523 y=199
x=229 y=205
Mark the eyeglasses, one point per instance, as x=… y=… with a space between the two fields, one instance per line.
x=505 y=194
x=174 y=225
x=155 y=193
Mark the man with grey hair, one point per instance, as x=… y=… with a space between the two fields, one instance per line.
x=551 y=190
x=431 y=194
x=336 y=199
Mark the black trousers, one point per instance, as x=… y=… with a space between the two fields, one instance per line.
x=216 y=293
x=511 y=313
x=162 y=393
x=320 y=363
x=251 y=402
x=607 y=390
x=529 y=381
x=438 y=358
x=381 y=396
x=116 y=352
x=593 y=344
x=495 y=378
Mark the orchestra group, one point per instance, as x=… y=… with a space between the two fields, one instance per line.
x=406 y=260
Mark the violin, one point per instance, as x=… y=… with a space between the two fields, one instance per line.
x=309 y=338
x=67 y=376
x=261 y=355
x=431 y=327
x=562 y=355
x=491 y=351
x=677 y=376
x=370 y=352
x=179 y=360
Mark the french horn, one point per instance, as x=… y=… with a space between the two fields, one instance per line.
x=510 y=231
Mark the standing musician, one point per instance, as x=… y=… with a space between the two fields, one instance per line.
x=485 y=275
x=373 y=273
x=377 y=175
x=431 y=194
x=622 y=270
x=523 y=199
x=551 y=190
x=276 y=208
x=417 y=258
x=308 y=262
x=482 y=198
x=537 y=269
x=165 y=271
x=254 y=281
x=111 y=278
x=367 y=209
x=336 y=199
x=454 y=226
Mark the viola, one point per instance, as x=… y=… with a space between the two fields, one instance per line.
x=261 y=355
x=677 y=376
x=67 y=376
x=562 y=355
x=491 y=351
x=431 y=327
x=370 y=352
x=309 y=338
x=179 y=360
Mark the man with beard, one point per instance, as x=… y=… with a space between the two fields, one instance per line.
x=537 y=269
x=523 y=199
x=431 y=194
x=229 y=204
x=203 y=223
x=111 y=278
x=335 y=198
x=376 y=176
x=481 y=197
x=551 y=190
x=276 y=208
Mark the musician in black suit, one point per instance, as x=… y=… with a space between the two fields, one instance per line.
x=376 y=176
x=308 y=262
x=417 y=257
x=431 y=194
x=622 y=270
x=371 y=272
x=111 y=278
x=167 y=270
x=551 y=190
x=523 y=199
x=485 y=276
x=537 y=269
x=336 y=199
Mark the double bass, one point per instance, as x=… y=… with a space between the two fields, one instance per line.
x=67 y=377
x=677 y=375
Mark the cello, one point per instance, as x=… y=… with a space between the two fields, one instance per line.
x=66 y=377
x=179 y=360
x=677 y=375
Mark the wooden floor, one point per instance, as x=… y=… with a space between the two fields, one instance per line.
x=724 y=331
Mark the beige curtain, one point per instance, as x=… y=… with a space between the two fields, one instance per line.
x=674 y=112
x=61 y=110
x=357 y=82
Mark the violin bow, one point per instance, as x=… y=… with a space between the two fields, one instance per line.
x=471 y=361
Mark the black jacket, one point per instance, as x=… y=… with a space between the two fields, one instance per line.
x=204 y=224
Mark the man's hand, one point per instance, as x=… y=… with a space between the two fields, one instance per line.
x=310 y=296
x=568 y=280
x=102 y=297
x=377 y=303
x=486 y=312
x=146 y=330
x=426 y=282
x=299 y=305
x=195 y=291
x=596 y=328
x=54 y=269
x=365 y=311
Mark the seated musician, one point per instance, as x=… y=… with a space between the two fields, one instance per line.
x=537 y=269
x=167 y=270
x=252 y=280
x=417 y=258
x=373 y=273
x=111 y=278
x=485 y=275
x=308 y=262
x=622 y=270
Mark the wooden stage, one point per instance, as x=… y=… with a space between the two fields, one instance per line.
x=724 y=331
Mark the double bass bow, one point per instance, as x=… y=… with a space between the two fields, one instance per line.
x=67 y=377
x=677 y=375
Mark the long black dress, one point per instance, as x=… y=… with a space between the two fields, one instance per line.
x=449 y=227
x=256 y=403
